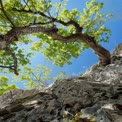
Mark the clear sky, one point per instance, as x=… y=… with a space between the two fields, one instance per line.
x=88 y=58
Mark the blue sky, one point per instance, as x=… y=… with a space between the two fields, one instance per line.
x=88 y=58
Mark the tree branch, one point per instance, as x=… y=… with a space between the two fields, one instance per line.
x=9 y=67
x=15 y=32
x=52 y=19
x=103 y=54
x=59 y=8
x=48 y=11
x=15 y=60
x=26 y=4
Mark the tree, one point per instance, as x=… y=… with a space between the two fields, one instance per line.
x=63 y=34
x=37 y=77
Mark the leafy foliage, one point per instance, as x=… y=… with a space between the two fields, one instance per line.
x=70 y=33
x=4 y=87
x=95 y=21
x=37 y=77
x=34 y=77
x=91 y=20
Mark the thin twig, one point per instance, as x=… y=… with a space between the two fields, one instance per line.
x=59 y=8
x=47 y=9
x=35 y=76
x=26 y=3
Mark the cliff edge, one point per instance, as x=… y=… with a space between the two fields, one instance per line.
x=95 y=96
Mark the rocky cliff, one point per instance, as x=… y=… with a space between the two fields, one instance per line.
x=95 y=96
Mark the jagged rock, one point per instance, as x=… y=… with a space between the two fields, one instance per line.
x=118 y=50
x=39 y=107
x=13 y=95
x=97 y=94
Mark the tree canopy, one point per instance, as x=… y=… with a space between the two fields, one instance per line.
x=62 y=33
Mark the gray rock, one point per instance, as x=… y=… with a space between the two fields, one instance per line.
x=39 y=107
x=97 y=94
x=118 y=50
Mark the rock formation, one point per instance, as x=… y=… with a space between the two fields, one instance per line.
x=95 y=96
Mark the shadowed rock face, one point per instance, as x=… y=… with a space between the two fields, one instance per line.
x=36 y=107
x=97 y=94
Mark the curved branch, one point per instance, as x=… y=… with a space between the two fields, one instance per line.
x=103 y=54
x=14 y=33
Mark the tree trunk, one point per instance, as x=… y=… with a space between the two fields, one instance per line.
x=103 y=54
